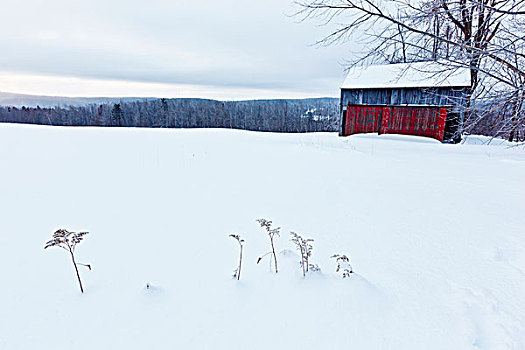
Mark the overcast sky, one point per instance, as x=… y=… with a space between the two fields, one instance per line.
x=226 y=49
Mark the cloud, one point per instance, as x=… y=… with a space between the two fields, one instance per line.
x=49 y=85
x=226 y=44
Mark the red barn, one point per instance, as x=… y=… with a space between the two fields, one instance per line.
x=422 y=99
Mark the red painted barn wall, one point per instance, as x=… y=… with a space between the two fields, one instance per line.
x=426 y=121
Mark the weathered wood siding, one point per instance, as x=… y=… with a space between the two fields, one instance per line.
x=413 y=96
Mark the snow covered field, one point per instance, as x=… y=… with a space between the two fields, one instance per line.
x=435 y=233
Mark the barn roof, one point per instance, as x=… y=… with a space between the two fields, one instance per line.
x=405 y=75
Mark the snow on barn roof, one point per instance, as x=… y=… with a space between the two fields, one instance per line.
x=404 y=75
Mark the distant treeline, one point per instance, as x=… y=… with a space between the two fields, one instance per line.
x=308 y=115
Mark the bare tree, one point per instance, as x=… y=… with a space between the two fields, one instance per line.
x=68 y=241
x=485 y=36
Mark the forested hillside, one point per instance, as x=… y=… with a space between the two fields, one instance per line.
x=261 y=115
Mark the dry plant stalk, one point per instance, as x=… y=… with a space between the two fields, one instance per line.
x=240 y=240
x=267 y=225
x=68 y=241
x=343 y=264
x=305 y=248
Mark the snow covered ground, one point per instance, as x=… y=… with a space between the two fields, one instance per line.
x=435 y=233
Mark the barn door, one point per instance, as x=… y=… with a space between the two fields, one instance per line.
x=361 y=119
x=426 y=121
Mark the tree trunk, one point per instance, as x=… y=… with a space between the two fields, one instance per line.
x=515 y=118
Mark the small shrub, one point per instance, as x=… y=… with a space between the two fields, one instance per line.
x=68 y=241
x=304 y=246
x=343 y=265
x=237 y=271
x=272 y=232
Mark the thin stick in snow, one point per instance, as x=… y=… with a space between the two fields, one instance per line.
x=240 y=240
x=267 y=225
